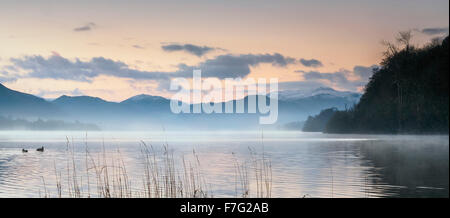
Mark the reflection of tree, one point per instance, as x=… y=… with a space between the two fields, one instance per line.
x=421 y=169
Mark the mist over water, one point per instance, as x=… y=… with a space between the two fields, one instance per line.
x=303 y=164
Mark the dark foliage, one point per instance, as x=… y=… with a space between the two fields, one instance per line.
x=408 y=94
x=318 y=122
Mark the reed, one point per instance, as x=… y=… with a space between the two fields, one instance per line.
x=258 y=167
x=162 y=176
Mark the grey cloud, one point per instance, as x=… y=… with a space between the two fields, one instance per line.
x=299 y=85
x=341 y=78
x=311 y=63
x=190 y=48
x=275 y=59
x=10 y=68
x=364 y=72
x=87 y=27
x=4 y=79
x=233 y=66
x=75 y=92
x=5 y=76
x=434 y=31
x=138 y=47
x=58 y=67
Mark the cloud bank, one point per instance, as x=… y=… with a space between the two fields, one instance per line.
x=344 y=79
x=222 y=66
x=58 y=67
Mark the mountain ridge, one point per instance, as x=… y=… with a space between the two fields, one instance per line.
x=154 y=111
x=22 y=104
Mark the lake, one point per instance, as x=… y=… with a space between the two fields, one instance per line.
x=300 y=164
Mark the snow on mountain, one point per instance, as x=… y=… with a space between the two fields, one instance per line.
x=143 y=97
x=289 y=95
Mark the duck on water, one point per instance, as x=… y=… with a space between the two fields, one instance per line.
x=41 y=149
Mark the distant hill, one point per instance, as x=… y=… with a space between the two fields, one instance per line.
x=19 y=104
x=408 y=94
x=153 y=112
x=85 y=108
x=145 y=99
x=147 y=104
x=289 y=95
x=138 y=112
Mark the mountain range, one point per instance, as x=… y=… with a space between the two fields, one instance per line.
x=287 y=95
x=153 y=112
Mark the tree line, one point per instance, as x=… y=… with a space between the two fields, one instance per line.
x=7 y=123
x=408 y=93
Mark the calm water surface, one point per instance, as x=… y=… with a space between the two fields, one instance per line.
x=303 y=164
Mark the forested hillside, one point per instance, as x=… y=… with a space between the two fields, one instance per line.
x=407 y=94
x=318 y=123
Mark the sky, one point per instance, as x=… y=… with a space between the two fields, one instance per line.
x=117 y=49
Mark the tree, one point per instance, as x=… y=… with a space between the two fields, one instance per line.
x=407 y=94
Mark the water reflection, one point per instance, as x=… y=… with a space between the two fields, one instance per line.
x=411 y=168
x=312 y=165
